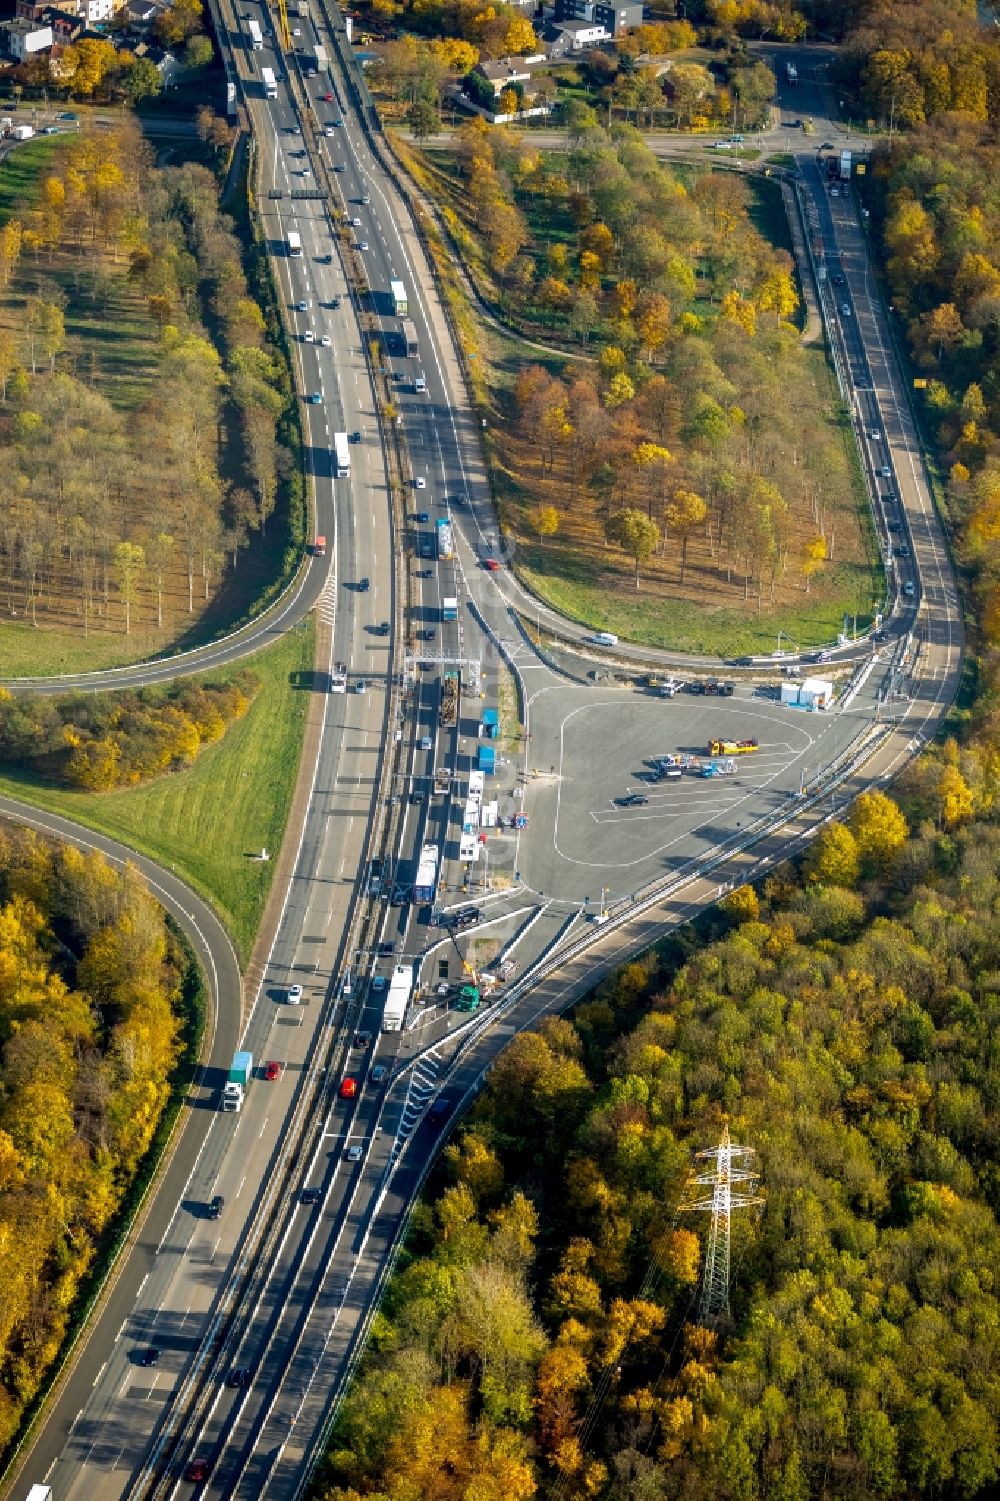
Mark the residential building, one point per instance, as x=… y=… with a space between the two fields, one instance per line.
x=616 y=19
x=503 y=72
x=564 y=37
x=23 y=38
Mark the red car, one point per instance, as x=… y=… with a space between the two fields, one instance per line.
x=327 y=98
x=272 y=1071
x=197 y=1470
x=491 y=565
x=348 y=1088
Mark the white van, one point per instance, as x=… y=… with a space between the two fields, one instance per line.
x=420 y=384
x=603 y=638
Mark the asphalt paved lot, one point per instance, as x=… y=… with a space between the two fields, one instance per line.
x=591 y=746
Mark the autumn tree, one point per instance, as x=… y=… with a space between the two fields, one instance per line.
x=879 y=830
x=635 y=533
x=684 y=514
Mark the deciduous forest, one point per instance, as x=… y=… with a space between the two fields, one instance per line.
x=539 y=1335
x=97 y=741
x=664 y=449
x=143 y=406
x=89 y=1034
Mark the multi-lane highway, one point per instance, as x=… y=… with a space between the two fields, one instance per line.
x=229 y=1337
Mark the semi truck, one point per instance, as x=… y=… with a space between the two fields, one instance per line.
x=342 y=456
x=237 y=1081
x=845 y=166
x=322 y=61
x=256 y=36
x=409 y=336
x=270 y=83
x=449 y=608
x=425 y=885
x=400 y=305
x=732 y=747
x=448 y=712
x=445 y=540
x=398 y=998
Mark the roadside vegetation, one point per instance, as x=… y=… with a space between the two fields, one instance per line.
x=91 y=1031
x=935 y=198
x=207 y=822
x=145 y=410
x=99 y=741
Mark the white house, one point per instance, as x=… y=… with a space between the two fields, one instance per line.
x=22 y=38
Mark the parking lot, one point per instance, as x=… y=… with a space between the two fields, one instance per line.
x=593 y=751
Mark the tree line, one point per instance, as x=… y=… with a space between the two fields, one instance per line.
x=111 y=503
x=540 y=1338
x=99 y=741
x=936 y=201
x=89 y=1037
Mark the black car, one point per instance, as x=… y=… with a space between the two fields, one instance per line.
x=696 y=688
x=440 y=1110
x=362 y=1039
x=382 y=629
x=311 y=1195
x=466 y=916
x=239 y=1376
x=633 y=800
x=387 y=946
x=149 y=1356
x=364 y=585
x=894 y=526
x=400 y=896
x=216 y=1207
x=355 y=436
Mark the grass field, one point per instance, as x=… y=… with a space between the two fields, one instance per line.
x=19 y=178
x=204 y=823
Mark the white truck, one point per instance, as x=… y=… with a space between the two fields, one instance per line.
x=398 y=998
x=237 y=1082
x=341 y=456
x=23 y=132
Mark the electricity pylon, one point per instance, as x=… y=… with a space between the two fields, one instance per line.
x=731 y=1165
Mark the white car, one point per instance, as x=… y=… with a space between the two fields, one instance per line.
x=834 y=192
x=294 y=996
x=876 y=435
x=845 y=308
x=722 y=146
x=325 y=341
x=356 y=222
x=297 y=31
x=302 y=305
x=908 y=589
x=426 y=743
x=363 y=245
x=329 y=131
x=305 y=172
x=420 y=482
x=309 y=337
